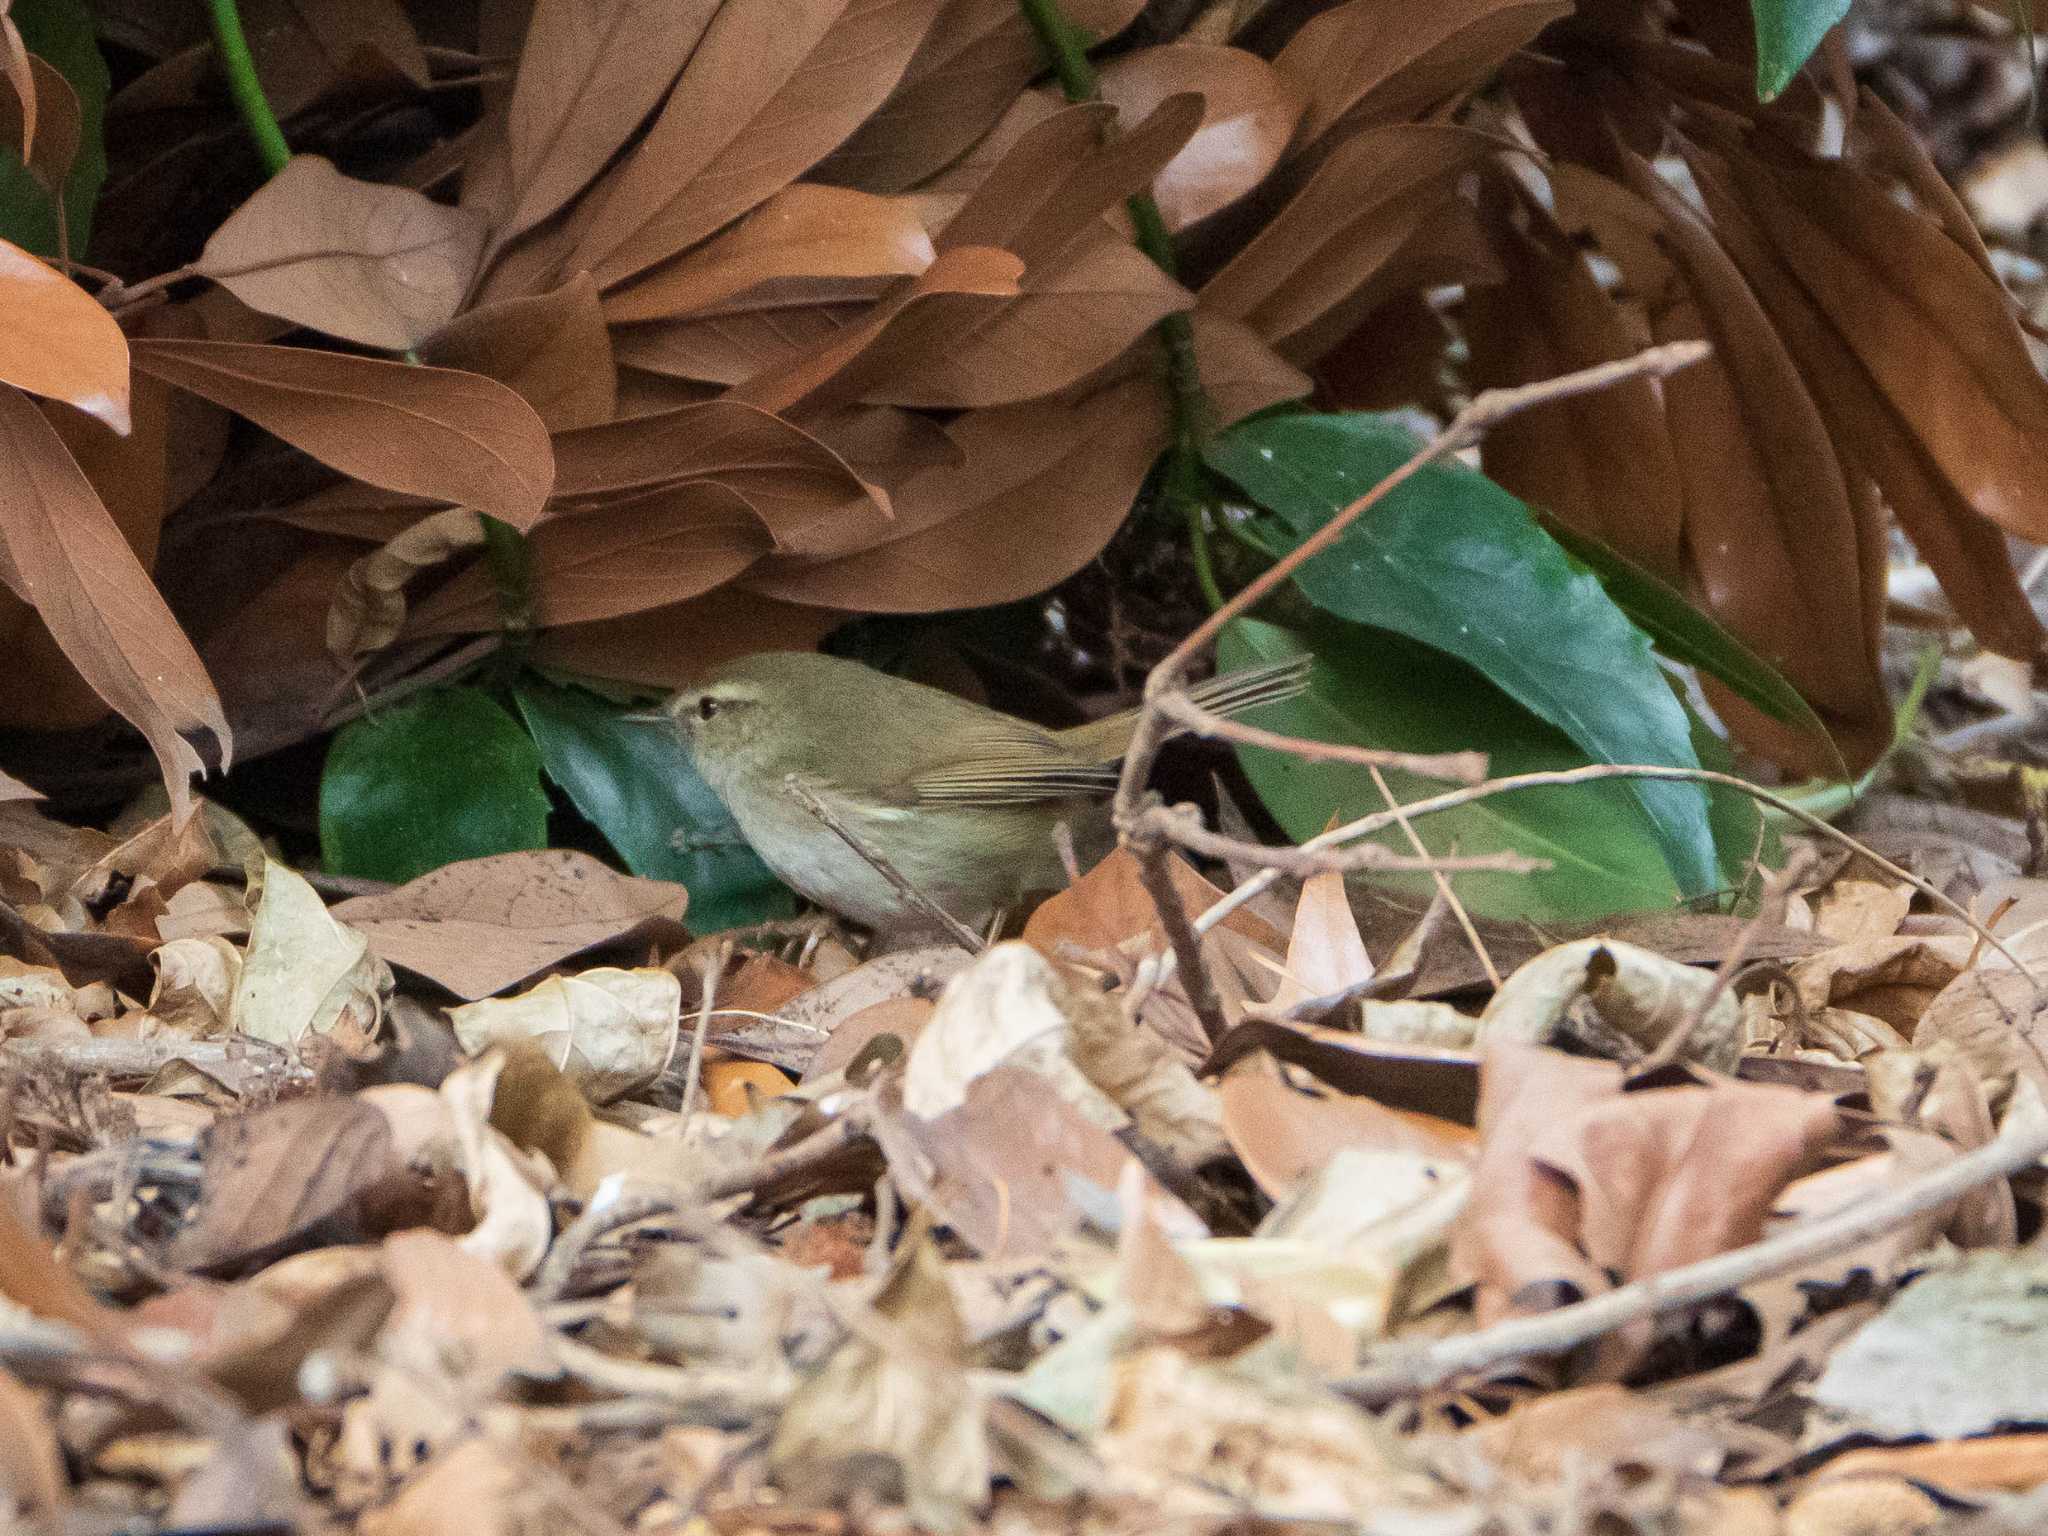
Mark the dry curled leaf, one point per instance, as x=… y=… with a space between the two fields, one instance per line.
x=609 y=1030
x=369 y=605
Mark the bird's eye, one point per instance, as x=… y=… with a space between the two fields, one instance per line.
x=706 y=707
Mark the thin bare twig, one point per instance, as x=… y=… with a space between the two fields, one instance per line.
x=900 y=883
x=1156 y=875
x=1181 y=826
x=1397 y=1370
x=695 y=1066
x=1453 y=767
x=351 y=703
x=1443 y=883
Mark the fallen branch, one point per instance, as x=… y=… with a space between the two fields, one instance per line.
x=1394 y=1371
x=145 y=1058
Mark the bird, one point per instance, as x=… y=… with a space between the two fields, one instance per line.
x=962 y=801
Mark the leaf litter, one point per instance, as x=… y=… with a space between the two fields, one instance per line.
x=1019 y=1238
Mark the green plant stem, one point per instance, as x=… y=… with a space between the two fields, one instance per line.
x=1188 y=409
x=509 y=558
x=240 y=67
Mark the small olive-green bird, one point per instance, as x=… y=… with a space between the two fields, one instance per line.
x=961 y=799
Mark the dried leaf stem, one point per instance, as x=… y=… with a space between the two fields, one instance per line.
x=1397 y=1370
x=899 y=882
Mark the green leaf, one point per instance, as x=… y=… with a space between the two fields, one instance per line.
x=1452 y=560
x=61 y=33
x=1374 y=688
x=635 y=784
x=1686 y=635
x=1787 y=32
x=1743 y=832
x=446 y=775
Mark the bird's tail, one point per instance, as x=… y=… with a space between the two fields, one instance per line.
x=1235 y=692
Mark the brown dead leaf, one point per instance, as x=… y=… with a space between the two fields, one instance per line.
x=1578 y=1182
x=1050 y=187
x=968 y=71
x=62 y=546
x=477 y=1485
x=1322 y=263
x=1771 y=521
x=1109 y=906
x=766 y=95
x=804 y=231
x=1015 y=1168
x=368 y=262
x=16 y=62
x=45 y=118
x=1518 y=1237
x=456 y=437
x=289 y=1175
x=1369 y=63
x=907 y=1397
x=1932 y=499
x=59 y=342
x=34 y=1278
x=1326 y=955
x=484 y=924
x=669 y=647
x=32 y=1481
x=1249 y=110
x=586 y=82
x=1602 y=462
x=1284 y=1136
x=1039 y=491
x=801 y=490
x=333 y=41
x=1554 y=1436
x=1942 y=345
x=627 y=556
x=457 y=1318
x=551 y=348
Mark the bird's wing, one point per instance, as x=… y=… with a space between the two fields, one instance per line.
x=1007 y=765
